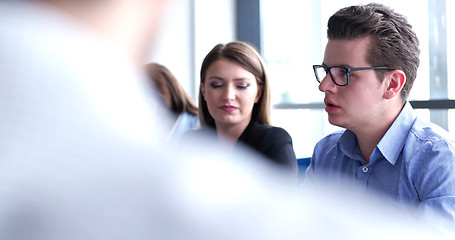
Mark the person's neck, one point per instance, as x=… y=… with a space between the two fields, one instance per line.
x=233 y=132
x=368 y=136
x=368 y=141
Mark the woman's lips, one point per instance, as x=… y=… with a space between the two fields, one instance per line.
x=228 y=108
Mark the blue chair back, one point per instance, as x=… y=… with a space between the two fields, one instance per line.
x=303 y=165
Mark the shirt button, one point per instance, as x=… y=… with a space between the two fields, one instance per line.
x=365 y=169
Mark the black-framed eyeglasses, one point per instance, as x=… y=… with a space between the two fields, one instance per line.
x=339 y=74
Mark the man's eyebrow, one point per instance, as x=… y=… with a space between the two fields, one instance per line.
x=338 y=65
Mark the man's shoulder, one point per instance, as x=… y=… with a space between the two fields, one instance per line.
x=332 y=137
x=431 y=145
x=429 y=132
x=328 y=144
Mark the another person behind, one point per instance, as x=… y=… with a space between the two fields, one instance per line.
x=234 y=99
x=370 y=64
x=176 y=99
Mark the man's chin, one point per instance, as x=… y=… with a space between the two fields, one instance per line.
x=336 y=122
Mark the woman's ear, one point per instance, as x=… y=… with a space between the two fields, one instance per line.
x=395 y=81
x=201 y=86
x=259 y=94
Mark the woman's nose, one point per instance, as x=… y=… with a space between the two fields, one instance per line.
x=229 y=94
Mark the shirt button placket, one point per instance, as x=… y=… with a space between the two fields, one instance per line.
x=362 y=176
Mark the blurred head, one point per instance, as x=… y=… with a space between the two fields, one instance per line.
x=132 y=25
x=248 y=59
x=172 y=93
x=394 y=43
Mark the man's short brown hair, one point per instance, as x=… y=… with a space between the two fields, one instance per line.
x=394 y=43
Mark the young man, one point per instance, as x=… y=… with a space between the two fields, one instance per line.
x=370 y=64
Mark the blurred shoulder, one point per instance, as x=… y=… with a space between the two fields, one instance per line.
x=199 y=133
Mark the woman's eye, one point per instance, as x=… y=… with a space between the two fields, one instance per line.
x=215 y=85
x=243 y=85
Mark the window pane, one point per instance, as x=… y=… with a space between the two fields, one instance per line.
x=452 y=121
x=424 y=114
x=291 y=47
x=305 y=126
x=450 y=27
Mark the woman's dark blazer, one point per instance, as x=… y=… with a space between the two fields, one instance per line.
x=273 y=142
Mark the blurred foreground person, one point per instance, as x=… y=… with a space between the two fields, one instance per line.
x=370 y=63
x=80 y=152
x=184 y=110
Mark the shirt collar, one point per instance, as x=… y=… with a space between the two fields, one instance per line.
x=390 y=145
x=394 y=139
x=348 y=145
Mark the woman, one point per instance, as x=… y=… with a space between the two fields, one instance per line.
x=234 y=99
x=175 y=98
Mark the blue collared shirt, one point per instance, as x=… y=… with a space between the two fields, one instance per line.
x=414 y=163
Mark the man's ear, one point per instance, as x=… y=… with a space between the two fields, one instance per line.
x=395 y=81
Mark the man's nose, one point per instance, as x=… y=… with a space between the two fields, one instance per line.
x=327 y=83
